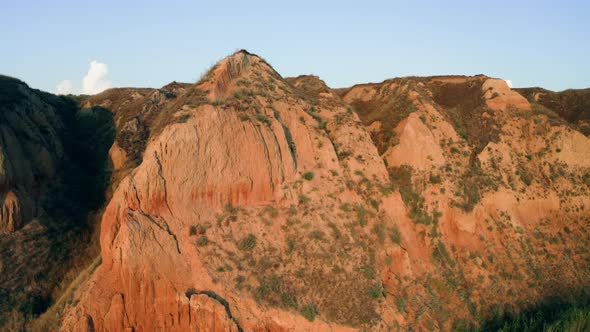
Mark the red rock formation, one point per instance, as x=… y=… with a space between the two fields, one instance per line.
x=259 y=202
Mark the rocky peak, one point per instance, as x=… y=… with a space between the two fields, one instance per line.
x=234 y=71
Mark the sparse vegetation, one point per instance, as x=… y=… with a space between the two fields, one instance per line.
x=327 y=255
x=316 y=235
x=568 y=318
x=263 y=119
x=197 y=229
x=202 y=241
x=380 y=231
x=441 y=254
x=183 y=118
x=376 y=291
x=304 y=199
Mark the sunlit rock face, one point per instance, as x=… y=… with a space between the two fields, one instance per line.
x=252 y=202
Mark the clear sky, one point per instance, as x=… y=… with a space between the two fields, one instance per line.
x=151 y=43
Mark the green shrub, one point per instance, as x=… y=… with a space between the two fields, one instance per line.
x=343 y=154
x=379 y=230
x=288 y=300
x=335 y=231
x=395 y=235
x=247 y=243
x=374 y=203
x=263 y=119
x=202 y=241
x=361 y=215
x=367 y=271
x=345 y=207
x=401 y=303
x=218 y=102
x=271 y=211
x=308 y=176
x=376 y=291
x=309 y=311
x=316 y=235
x=290 y=245
x=239 y=94
x=229 y=208
x=525 y=176
x=183 y=118
x=435 y=179
x=303 y=199
x=441 y=254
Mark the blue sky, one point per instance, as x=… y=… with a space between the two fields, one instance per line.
x=151 y=43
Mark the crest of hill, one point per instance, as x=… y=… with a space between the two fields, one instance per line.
x=224 y=76
x=11 y=90
x=573 y=104
x=464 y=100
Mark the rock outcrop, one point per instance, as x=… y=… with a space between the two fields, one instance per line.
x=263 y=203
x=195 y=204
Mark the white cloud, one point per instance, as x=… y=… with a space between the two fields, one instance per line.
x=64 y=87
x=509 y=82
x=95 y=80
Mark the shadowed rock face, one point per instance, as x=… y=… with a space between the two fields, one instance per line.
x=572 y=105
x=250 y=202
x=49 y=183
x=29 y=150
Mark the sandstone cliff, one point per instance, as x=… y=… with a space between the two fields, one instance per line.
x=264 y=203
x=251 y=202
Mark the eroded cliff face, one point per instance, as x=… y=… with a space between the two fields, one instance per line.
x=49 y=185
x=497 y=193
x=229 y=189
x=29 y=150
x=259 y=203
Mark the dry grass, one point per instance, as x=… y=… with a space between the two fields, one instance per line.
x=51 y=319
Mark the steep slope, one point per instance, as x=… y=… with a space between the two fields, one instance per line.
x=497 y=193
x=27 y=153
x=50 y=183
x=572 y=105
x=136 y=112
x=241 y=215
